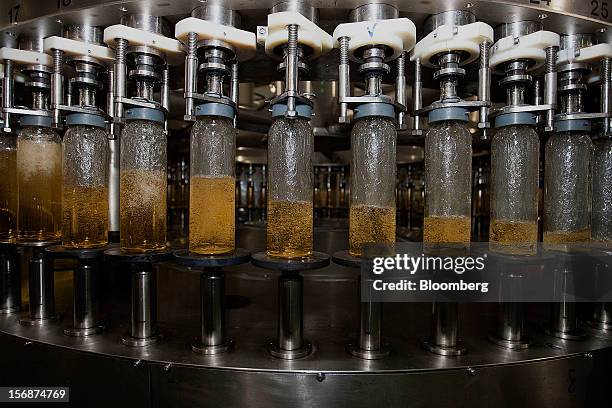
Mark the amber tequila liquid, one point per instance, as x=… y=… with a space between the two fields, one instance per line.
x=39 y=177
x=143 y=210
x=564 y=240
x=370 y=224
x=513 y=237
x=455 y=230
x=85 y=223
x=211 y=214
x=289 y=229
x=8 y=194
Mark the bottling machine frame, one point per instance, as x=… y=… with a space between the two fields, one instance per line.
x=102 y=371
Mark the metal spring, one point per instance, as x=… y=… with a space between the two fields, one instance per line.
x=192 y=43
x=606 y=70
x=401 y=64
x=344 y=46
x=485 y=48
x=120 y=49
x=58 y=61
x=292 y=38
x=551 y=59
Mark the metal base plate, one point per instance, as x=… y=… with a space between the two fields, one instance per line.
x=276 y=351
x=574 y=335
x=198 y=347
x=357 y=351
x=28 y=321
x=594 y=324
x=344 y=258
x=130 y=341
x=521 y=344
x=10 y=310
x=430 y=346
x=186 y=258
x=58 y=251
x=315 y=261
x=90 y=331
x=115 y=254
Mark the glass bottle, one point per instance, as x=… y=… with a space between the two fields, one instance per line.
x=448 y=184
x=601 y=217
x=290 y=188
x=8 y=187
x=567 y=185
x=372 y=210
x=515 y=153
x=39 y=181
x=85 y=187
x=143 y=183
x=212 y=186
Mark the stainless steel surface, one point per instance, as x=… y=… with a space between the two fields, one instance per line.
x=373 y=11
x=445 y=330
x=212 y=308
x=144 y=302
x=10 y=281
x=297 y=6
x=450 y=17
x=517 y=29
x=148 y=22
x=217 y=13
x=550 y=86
x=41 y=286
x=290 y=312
x=84 y=33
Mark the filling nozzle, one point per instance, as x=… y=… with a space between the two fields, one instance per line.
x=448 y=75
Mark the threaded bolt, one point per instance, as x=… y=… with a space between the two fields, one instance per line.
x=58 y=61
x=192 y=43
x=292 y=38
x=485 y=48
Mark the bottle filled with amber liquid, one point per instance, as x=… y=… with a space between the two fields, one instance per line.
x=39 y=180
x=567 y=191
x=143 y=186
x=212 y=202
x=85 y=186
x=448 y=186
x=372 y=212
x=290 y=188
x=515 y=156
x=8 y=187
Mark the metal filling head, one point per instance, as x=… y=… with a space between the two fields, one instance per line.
x=451 y=17
x=373 y=69
x=300 y=7
x=449 y=75
x=84 y=33
x=149 y=23
x=372 y=12
x=87 y=82
x=517 y=29
x=217 y=57
x=145 y=69
x=39 y=84
x=217 y=13
x=516 y=81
